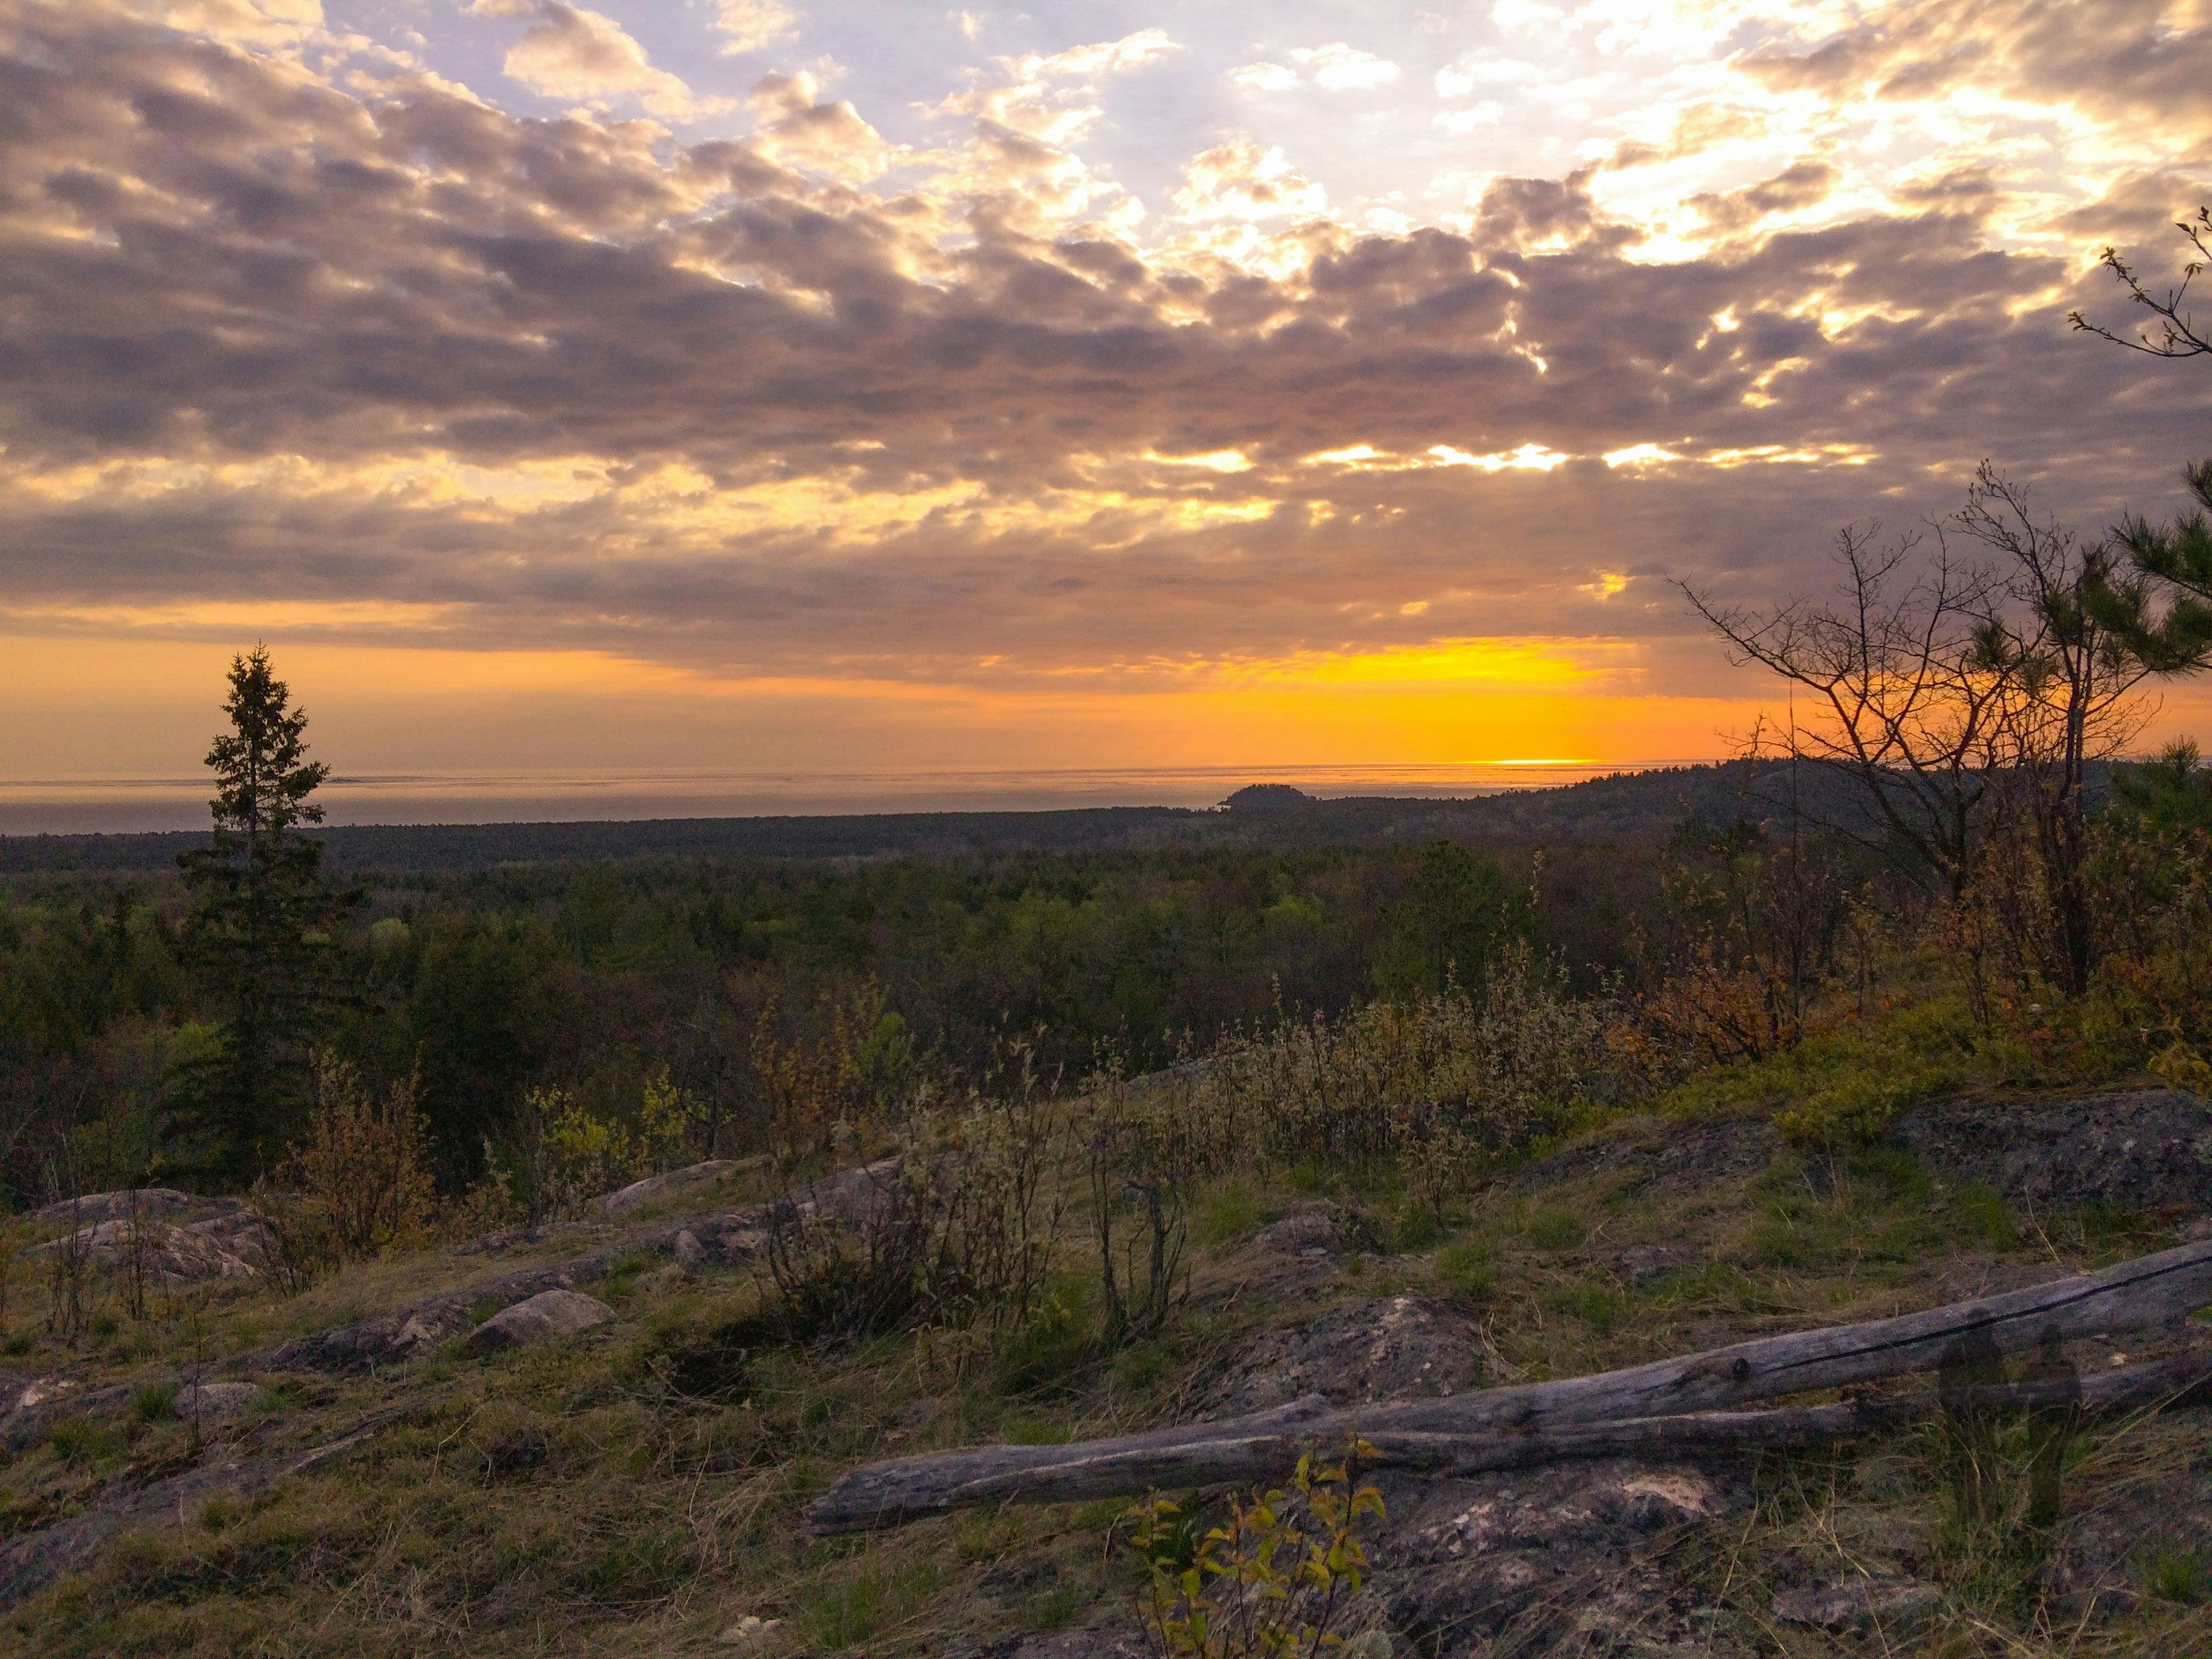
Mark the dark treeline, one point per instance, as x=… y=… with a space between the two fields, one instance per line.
x=591 y=977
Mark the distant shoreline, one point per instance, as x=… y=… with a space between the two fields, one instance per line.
x=1615 y=804
x=146 y=806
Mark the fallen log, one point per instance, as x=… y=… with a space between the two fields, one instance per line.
x=1519 y=1421
x=1258 y=1457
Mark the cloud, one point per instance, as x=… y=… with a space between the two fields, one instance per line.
x=1242 y=179
x=800 y=129
x=753 y=25
x=1341 y=68
x=1801 y=185
x=255 y=22
x=363 y=346
x=569 y=52
x=1132 y=51
x=1333 y=68
x=1477 y=71
x=1265 y=78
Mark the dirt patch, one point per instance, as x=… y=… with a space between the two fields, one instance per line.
x=2148 y=1149
x=1393 y=1348
x=1650 y=1154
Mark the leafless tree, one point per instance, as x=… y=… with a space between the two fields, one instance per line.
x=1971 y=697
x=1891 y=664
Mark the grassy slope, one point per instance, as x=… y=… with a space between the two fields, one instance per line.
x=635 y=1491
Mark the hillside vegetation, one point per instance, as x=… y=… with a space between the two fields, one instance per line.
x=1424 y=1196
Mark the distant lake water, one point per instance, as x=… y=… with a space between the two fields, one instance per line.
x=64 y=806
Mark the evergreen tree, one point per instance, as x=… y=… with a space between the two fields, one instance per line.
x=260 y=934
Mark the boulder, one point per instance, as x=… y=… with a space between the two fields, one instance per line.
x=1571 y=1559
x=237 y=1244
x=1392 y=1348
x=653 y=1188
x=544 y=1317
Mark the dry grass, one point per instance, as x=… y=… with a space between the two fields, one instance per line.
x=635 y=1492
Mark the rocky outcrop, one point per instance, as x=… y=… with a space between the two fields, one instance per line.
x=147 y=1203
x=545 y=1317
x=216 y=1402
x=1535 y=1560
x=1885 y=1606
x=1393 y=1348
x=668 y=1184
x=236 y=1243
x=2145 y=1149
x=1653 y=1155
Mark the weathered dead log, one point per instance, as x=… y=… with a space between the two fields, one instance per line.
x=2150 y=1290
x=1262 y=1457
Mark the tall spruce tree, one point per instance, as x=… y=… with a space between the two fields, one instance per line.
x=260 y=936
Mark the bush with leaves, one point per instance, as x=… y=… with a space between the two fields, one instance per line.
x=1488 y=1068
x=365 y=1167
x=1275 y=1581
x=565 y=1154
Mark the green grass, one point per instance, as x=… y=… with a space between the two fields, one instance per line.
x=854 y=1603
x=2179 y=1575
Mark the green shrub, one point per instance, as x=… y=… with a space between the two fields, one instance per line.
x=154 y=1401
x=1468 y=1269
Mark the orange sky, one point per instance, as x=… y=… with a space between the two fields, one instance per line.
x=833 y=389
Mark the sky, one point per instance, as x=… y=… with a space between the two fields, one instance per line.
x=840 y=387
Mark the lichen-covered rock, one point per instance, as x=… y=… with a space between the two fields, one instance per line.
x=653 y=1188
x=1393 y=1348
x=2145 y=1149
x=236 y=1243
x=149 y=1203
x=544 y=1317
x=689 y=1253
x=1654 y=1154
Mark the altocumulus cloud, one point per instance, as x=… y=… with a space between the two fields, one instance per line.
x=286 y=320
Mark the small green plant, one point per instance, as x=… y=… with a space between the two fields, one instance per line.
x=1468 y=1268
x=1555 y=1229
x=153 y=1402
x=852 y=1609
x=1272 y=1582
x=1984 y=1212
x=82 y=1444
x=2179 y=1576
